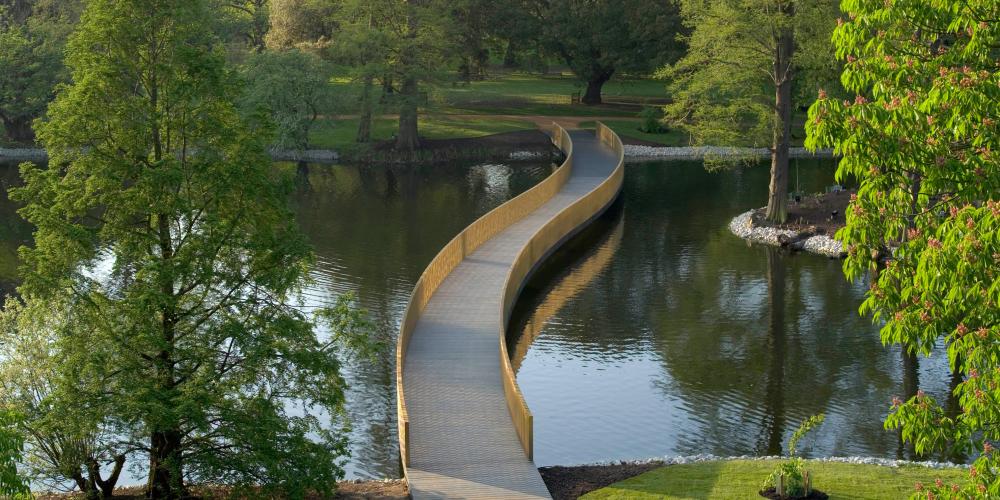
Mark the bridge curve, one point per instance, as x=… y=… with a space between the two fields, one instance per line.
x=464 y=428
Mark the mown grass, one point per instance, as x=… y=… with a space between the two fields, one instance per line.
x=630 y=129
x=507 y=93
x=741 y=479
x=341 y=133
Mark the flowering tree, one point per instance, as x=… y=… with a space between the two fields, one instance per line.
x=921 y=137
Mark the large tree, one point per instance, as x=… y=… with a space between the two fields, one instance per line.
x=736 y=85
x=294 y=87
x=922 y=136
x=163 y=228
x=250 y=20
x=598 y=39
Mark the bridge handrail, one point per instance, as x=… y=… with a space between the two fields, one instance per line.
x=463 y=244
x=538 y=247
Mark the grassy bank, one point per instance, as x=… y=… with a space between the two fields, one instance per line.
x=741 y=479
x=340 y=133
x=629 y=129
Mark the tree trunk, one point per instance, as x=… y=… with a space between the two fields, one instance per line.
x=777 y=198
x=594 y=86
x=19 y=130
x=510 y=55
x=365 y=123
x=408 y=138
x=165 y=477
x=108 y=485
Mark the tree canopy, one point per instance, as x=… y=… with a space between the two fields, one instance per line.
x=921 y=135
x=166 y=238
x=599 y=39
x=32 y=37
x=736 y=83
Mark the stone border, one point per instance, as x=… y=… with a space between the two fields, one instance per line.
x=742 y=225
x=708 y=457
x=638 y=153
x=632 y=153
x=313 y=155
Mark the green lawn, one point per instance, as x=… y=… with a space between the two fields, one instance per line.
x=506 y=93
x=741 y=479
x=340 y=133
x=630 y=128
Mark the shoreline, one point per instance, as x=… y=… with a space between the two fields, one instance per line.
x=633 y=153
x=820 y=244
x=573 y=481
x=563 y=481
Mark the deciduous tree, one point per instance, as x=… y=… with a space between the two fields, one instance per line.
x=166 y=232
x=736 y=84
x=294 y=87
x=922 y=136
x=598 y=39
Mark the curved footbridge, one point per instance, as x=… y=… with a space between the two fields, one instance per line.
x=464 y=428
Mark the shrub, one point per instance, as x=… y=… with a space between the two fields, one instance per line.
x=651 y=121
x=793 y=469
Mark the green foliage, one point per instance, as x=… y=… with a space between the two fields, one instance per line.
x=723 y=88
x=651 y=123
x=804 y=428
x=921 y=136
x=64 y=438
x=30 y=67
x=793 y=469
x=12 y=485
x=600 y=39
x=248 y=20
x=165 y=237
x=293 y=86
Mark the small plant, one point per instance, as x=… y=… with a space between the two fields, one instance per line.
x=651 y=121
x=790 y=478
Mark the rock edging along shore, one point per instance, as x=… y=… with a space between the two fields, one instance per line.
x=743 y=226
x=632 y=152
x=312 y=155
x=707 y=457
x=635 y=152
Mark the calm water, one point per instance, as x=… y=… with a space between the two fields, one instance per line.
x=654 y=333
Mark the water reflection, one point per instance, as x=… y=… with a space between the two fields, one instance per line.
x=374 y=230
x=655 y=332
x=689 y=341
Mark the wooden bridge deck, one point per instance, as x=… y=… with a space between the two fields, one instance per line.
x=462 y=442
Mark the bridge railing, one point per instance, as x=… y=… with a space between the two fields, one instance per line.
x=454 y=252
x=564 y=225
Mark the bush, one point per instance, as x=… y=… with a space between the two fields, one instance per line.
x=651 y=121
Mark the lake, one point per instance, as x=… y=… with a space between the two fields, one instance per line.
x=655 y=332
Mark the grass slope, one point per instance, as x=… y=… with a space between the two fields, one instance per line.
x=741 y=479
x=340 y=133
x=630 y=129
